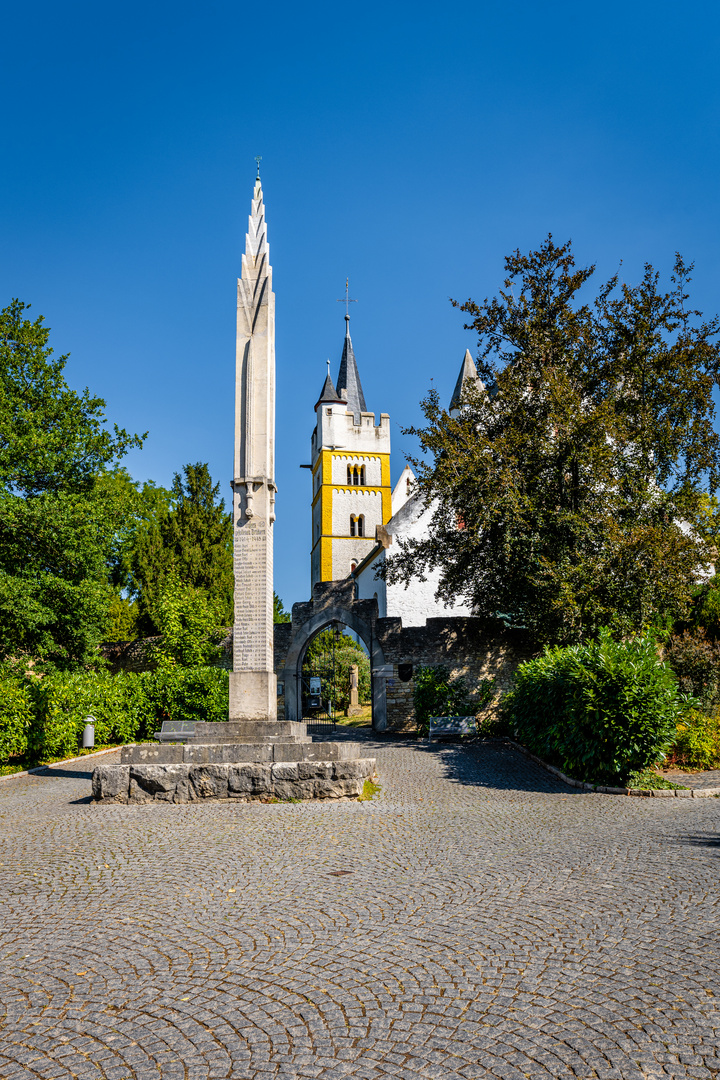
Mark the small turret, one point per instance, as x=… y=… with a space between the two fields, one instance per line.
x=328 y=394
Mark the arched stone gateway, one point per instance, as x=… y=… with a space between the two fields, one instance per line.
x=334 y=602
x=472 y=648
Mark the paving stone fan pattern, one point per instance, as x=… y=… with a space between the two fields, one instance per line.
x=477 y=919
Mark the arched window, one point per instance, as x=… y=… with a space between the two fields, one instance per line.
x=349 y=475
x=362 y=475
x=355 y=476
x=353 y=567
x=361 y=525
x=353 y=525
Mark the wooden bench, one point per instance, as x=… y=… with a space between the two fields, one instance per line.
x=175 y=731
x=451 y=725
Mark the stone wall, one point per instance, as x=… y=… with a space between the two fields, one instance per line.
x=473 y=648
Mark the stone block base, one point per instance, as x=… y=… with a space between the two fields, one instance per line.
x=244 y=781
x=253 y=695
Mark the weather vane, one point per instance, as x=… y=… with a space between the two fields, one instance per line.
x=258 y=159
x=346 y=299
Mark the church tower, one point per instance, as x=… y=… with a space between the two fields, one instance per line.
x=350 y=456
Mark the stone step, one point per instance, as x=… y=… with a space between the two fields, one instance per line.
x=248 y=730
x=223 y=753
x=233 y=740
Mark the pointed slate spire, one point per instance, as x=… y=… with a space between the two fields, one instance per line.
x=328 y=393
x=468 y=374
x=349 y=379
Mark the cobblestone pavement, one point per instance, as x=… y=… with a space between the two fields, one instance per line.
x=708 y=779
x=478 y=919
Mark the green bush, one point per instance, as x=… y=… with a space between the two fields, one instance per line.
x=599 y=711
x=697 y=742
x=45 y=718
x=63 y=701
x=16 y=715
x=435 y=693
x=200 y=693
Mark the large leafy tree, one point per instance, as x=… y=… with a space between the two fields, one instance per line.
x=566 y=496
x=57 y=520
x=142 y=506
x=188 y=539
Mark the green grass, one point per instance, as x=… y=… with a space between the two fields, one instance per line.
x=649 y=780
x=369 y=792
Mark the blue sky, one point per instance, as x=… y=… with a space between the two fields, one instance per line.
x=407 y=145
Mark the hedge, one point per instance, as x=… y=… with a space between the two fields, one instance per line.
x=44 y=717
x=16 y=717
x=599 y=711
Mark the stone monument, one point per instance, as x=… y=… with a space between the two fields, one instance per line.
x=253 y=693
x=252 y=755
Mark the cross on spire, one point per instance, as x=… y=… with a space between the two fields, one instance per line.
x=258 y=159
x=346 y=300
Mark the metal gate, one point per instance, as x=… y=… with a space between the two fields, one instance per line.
x=319 y=690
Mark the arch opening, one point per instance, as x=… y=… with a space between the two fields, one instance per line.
x=300 y=659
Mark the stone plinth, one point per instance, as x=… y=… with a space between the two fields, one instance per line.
x=243 y=781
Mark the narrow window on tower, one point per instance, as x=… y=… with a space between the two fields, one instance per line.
x=355 y=476
x=361 y=525
x=349 y=480
x=362 y=475
x=353 y=524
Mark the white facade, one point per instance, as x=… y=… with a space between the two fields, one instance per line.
x=416 y=603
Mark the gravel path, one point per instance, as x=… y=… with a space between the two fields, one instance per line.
x=478 y=919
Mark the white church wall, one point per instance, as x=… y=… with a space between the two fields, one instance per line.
x=416 y=604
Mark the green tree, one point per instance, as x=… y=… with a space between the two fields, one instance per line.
x=280 y=615
x=561 y=497
x=189 y=624
x=191 y=539
x=57 y=521
x=330 y=655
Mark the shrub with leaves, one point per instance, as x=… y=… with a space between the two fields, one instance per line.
x=16 y=714
x=599 y=711
x=199 y=693
x=44 y=718
x=436 y=693
x=697 y=742
x=64 y=700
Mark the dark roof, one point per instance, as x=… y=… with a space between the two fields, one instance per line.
x=348 y=378
x=328 y=392
x=468 y=373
